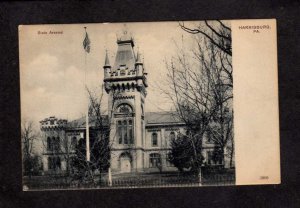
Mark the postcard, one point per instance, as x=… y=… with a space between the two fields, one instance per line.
x=152 y=104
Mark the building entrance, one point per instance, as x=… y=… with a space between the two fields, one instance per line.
x=125 y=164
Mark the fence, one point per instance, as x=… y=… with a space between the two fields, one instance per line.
x=134 y=182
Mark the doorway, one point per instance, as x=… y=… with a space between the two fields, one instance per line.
x=125 y=164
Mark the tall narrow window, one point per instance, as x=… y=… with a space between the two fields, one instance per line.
x=53 y=141
x=56 y=143
x=73 y=143
x=209 y=157
x=130 y=132
x=125 y=129
x=154 y=139
x=208 y=135
x=119 y=132
x=48 y=143
x=125 y=132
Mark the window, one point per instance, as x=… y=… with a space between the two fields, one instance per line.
x=209 y=157
x=124 y=109
x=56 y=143
x=130 y=132
x=172 y=136
x=119 y=132
x=73 y=143
x=125 y=132
x=53 y=143
x=49 y=145
x=154 y=139
x=54 y=163
x=154 y=160
x=125 y=136
x=209 y=135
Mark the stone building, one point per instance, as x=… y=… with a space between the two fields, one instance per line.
x=140 y=140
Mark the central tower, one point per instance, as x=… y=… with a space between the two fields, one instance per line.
x=125 y=83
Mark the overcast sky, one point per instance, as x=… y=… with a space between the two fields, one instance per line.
x=52 y=65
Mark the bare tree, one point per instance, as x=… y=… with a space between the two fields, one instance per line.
x=190 y=92
x=218 y=34
x=100 y=142
x=29 y=136
x=215 y=56
x=201 y=86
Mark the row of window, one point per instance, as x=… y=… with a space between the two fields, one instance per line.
x=154 y=140
x=53 y=143
x=155 y=161
x=125 y=132
x=54 y=163
x=214 y=159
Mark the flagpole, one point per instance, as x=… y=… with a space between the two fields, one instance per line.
x=87 y=130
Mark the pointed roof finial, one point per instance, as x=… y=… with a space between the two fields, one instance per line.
x=106 y=59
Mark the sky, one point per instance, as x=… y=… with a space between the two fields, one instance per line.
x=52 y=65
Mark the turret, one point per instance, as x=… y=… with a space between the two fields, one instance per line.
x=139 y=65
x=53 y=123
x=106 y=67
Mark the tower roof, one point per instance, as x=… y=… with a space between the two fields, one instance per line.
x=125 y=53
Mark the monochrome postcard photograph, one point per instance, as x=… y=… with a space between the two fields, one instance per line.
x=146 y=105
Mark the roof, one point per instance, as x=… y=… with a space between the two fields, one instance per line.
x=80 y=123
x=125 y=54
x=151 y=118
x=162 y=118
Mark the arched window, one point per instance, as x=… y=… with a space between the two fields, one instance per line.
x=154 y=139
x=154 y=160
x=125 y=131
x=124 y=109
